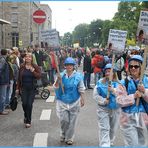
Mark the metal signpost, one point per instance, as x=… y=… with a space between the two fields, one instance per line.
x=39 y=17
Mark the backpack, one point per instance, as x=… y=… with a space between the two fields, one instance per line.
x=101 y=64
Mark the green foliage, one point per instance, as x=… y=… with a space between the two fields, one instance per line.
x=107 y=25
x=95 y=32
x=127 y=17
x=67 y=39
x=145 y=4
x=79 y=34
x=98 y=30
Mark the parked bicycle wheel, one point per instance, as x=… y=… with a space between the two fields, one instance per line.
x=45 y=94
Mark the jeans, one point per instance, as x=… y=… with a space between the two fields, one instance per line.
x=79 y=61
x=51 y=74
x=3 y=90
x=9 y=93
x=87 y=79
x=98 y=76
x=28 y=96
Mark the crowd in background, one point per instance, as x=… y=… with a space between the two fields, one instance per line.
x=93 y=61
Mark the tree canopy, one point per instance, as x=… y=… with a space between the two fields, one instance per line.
x=96 y=33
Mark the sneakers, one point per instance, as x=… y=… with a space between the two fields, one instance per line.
x=4 y=113
x=112 y=144
x=69 y=142
x=28 y=125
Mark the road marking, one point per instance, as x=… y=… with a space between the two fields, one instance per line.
x=50 y=99
x=45 y=115
x=40 y=140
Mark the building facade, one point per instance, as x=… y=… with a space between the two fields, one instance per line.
x=23 y=31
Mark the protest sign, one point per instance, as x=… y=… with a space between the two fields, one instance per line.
x=142 y=31
x=51 y=37
x=117 y=39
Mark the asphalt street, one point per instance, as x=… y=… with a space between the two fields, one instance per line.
x=45 y=129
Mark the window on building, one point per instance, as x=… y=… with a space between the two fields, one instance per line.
x=14 y=12
x=14 y=20
x=14 y=25
x=14 y=5
x=15 y=39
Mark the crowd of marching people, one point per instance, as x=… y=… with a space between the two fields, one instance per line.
x=117 y=88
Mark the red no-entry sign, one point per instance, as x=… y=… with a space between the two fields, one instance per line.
x=39 y=16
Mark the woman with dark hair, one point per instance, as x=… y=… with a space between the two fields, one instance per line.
x=28 y=74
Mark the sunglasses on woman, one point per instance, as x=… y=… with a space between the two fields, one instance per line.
x=134 y=66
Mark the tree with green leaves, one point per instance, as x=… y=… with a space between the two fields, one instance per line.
x=80 y=33
x=98 y=30
x=67 y=39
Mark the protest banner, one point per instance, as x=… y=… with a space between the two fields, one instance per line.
x=51 y=37
x=117 y=39
x=142 y=31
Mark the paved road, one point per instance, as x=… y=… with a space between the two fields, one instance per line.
x=45 y=126
x=13 y=133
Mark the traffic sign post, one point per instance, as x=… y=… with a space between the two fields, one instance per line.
x=39 y=17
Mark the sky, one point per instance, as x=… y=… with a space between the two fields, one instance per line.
x=66 y=15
